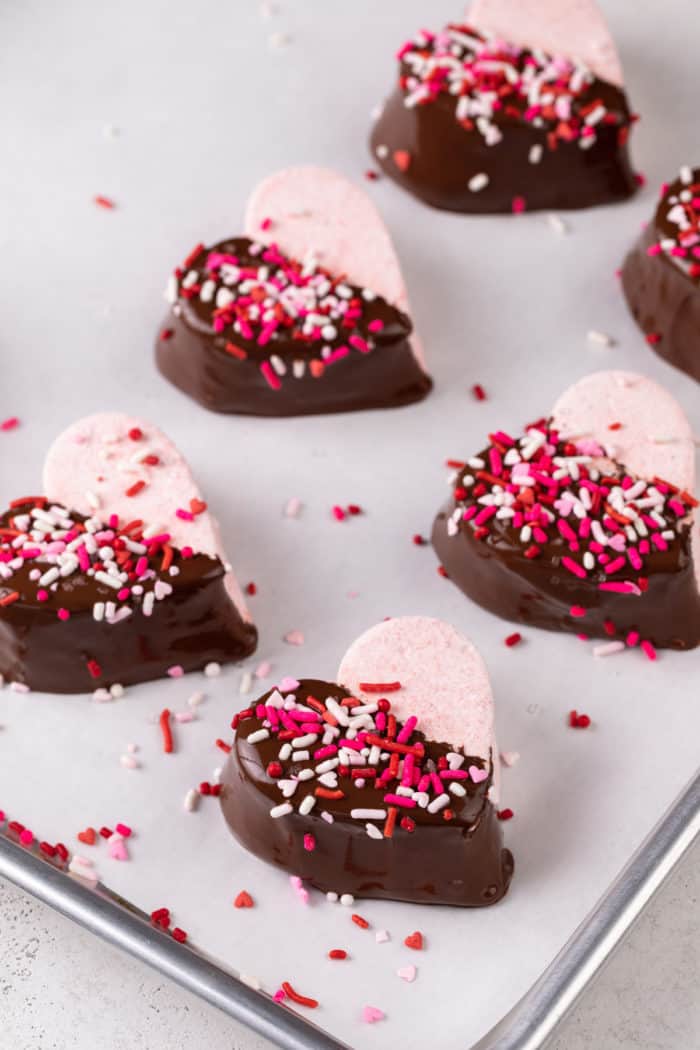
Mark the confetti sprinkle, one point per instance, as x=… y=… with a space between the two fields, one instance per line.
x=414 y=941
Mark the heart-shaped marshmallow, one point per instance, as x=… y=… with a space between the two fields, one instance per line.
x=381 y=786
x=586 y=523
x=333 y=333
x=557 y=137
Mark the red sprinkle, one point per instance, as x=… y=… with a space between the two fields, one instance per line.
x=418 y=540
x=136 y=434
x=505 y=814
x=577 y=721
x=337 y=953
x=104 y=202
x=371 y=175
x=414 y=940
x=353 y=508
x=301 y=1000
x=379 y=687
x=179 y=935
x=442 y=571
x=166 y=334
x=513 y=639
x=251 y=589
x=223 y=746
x=164 y=722
x=653 y=338
x=359 y=921
x=479 y=392
x=243 y=900
x=9 y=424
x=137 y=487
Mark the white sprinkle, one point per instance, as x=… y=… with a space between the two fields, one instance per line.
x=368 y=814
x=212 y=670
x=191 y=800
x=107 y=579
x=98 y=611
x=600 y=338
x=373 y=831
x=478 y=182
x=129 y=762
x=196 y=699
x=149 y=600
x=557 y=224
x=258 y=736
x=686 y=175
x=278 y=41
x=282 y=810
x=438 y=803
x=305 y=741
x=456 y=789
x=306 y=805
x=347 y=900
x=331 y=897
x=117 y=691
x=381 y=936
x=382 y=152
x=608 y=648
x=92 y=500
x=246 y=683
x=535 y=154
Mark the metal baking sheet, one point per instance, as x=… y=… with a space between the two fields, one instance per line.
x=175 y=112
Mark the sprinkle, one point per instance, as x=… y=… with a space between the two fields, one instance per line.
x=338 y=513
x=648 y=650
x=402 y=159
x=510 y=758
x=577 y=611
x=414 y=941
x=381 y=936
x=479 y=392
x=407 y=973
x=191 y=800
x=104 y=202
x=179 y=935
x=379 y=687
x=293 y=507
x=372 y=1014
x=359 y=921
x=608 y=649
x=212 y=670
x=282 y=810
x=518 y=206
x=557 y=224
x=243 y=900
x=166 y=732
x=337 y=953
x=505 y=814
x=478 y=182
x=513 y=639
x=577 y=721
x=294 y=638
x=600 y=338
x=9 y=424
x=300 y=1000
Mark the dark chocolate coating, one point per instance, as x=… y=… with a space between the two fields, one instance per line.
x=663 y=298
x=459 y=862
x=194 y=358
x=540 y=593
x=444 y=156
x=196 y=624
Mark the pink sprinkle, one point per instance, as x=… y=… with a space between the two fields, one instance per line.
x=632 y=638
x=270 y=375
x=10 y=424
x=577 y=611
x=263 y=669
x=574 y=567
x=338 y=513
x=375 y=326
x=279 y=996
x=26 y=837
x=123 y=830
x=309 y=843
x=294 y=638
x=184 y=716
x=649 y=650
x=266 y=224
x=63 y=614
x=42 y=596
x=519 y=205
x=184 y=515
x=615 y=565
x=176 y=672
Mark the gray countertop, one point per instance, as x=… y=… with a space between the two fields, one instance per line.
x=61 y=988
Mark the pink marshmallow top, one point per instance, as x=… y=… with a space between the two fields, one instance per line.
x=310 y=210
x=444 y=681
x=572 y=28
x=655 y=439
x=94 y=464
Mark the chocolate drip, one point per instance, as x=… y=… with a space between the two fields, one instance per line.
x=229 y=364
x=427 y=859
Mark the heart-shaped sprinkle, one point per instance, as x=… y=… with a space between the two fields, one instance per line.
x=243 y=900
x=88 y=836
x=402 y=159
x=117 y=848
x=370 y=1014
x=407 y=973
x=477 y=774
x=197 y=506
x=288 y=685
x=415 y=941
